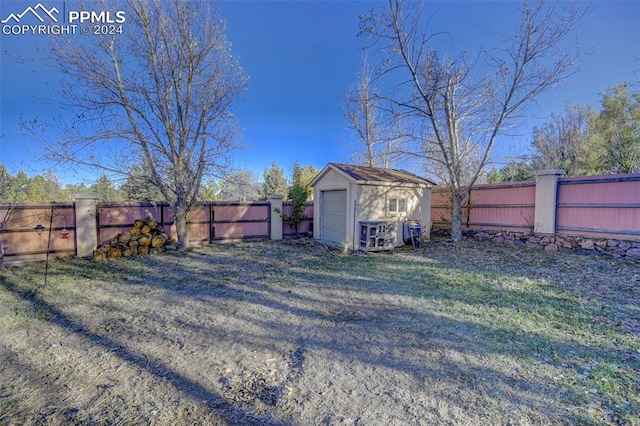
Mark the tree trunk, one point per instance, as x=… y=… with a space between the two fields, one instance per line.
x=180 y=211
x=456 y=217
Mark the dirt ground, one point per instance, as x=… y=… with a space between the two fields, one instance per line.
x=293 y=334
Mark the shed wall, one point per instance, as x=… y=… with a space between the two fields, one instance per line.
x=373 y=205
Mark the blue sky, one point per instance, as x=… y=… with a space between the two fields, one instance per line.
x=302 y=56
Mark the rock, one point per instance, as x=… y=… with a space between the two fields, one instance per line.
x=544 y=241
x=633 y=254
x=561 y=243
x=601 y=243
x=587 y=244
x=624 y=245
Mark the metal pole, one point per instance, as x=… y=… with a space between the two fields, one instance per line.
x=353 y=231
x=46 y=268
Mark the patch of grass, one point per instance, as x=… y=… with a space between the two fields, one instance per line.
x=463 y=334
x=545 y=321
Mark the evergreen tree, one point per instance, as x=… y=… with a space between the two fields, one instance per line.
x=299 y=192
x=139 y=187
x=274 y=182
x=44 y=189
x=616 y=131
x=19 y=189
x=210 y=190
x=512 y=171
x=307 y=174
x=71 y=188
x=106 y=189
x=6 y=185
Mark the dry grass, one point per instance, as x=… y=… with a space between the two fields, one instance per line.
x=283 y=333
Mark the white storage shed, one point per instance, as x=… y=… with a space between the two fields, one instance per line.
x=368 y=208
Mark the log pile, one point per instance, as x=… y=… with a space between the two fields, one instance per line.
x=145 y=237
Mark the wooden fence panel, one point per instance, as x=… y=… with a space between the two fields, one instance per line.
x=240 y=220
x=440 y=207
x=115 y=218
x=22 y=241
x=600 y=206
x=198 y=224
x=306 y=226
x=509 y=206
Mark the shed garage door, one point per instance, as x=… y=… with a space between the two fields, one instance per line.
x=333 y=216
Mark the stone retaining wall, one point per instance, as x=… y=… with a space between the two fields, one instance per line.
x=628 y=250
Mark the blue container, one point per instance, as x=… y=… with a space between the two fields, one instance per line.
x=411 y=233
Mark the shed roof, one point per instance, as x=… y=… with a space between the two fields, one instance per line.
x=373 y=175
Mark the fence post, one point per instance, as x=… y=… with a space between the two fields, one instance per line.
x=546 y=200
x=275 y=219
x=86 y=227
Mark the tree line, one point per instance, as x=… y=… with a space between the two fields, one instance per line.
x=583 y=141
x=162 y=98
x=445 y=114
x=241 y=185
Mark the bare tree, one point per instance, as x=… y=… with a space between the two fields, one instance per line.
x=5 y=186
x=563 y=142
x=461 y=107
x=10 y=189
x=241 y=185
x=376 y=127
x=159 y=96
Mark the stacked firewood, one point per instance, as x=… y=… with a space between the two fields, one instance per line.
x=146 y=236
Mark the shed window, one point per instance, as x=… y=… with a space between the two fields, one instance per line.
x=397 y=205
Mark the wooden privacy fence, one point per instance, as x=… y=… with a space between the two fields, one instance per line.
x=207 y=222
x=602 y=206
x=605 y=207
x=499 y=206
x=597 y=207
x=31 y=230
